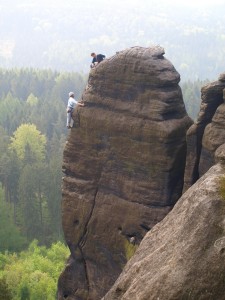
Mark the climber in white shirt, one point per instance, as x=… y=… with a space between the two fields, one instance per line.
x=72 y=103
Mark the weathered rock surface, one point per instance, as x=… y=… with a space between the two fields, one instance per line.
x=182 y=257
x=124 y=164
x=207 y=133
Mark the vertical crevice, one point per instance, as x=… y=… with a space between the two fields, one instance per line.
x=199 y=136
x=85 y=268
x=83 y=239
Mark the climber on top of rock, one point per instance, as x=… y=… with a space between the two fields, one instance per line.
x=72 y=103
x=97 y=58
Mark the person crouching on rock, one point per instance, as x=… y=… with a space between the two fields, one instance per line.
x=97 y=58
x=72 y=103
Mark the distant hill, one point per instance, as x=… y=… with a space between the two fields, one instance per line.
x=61 y=35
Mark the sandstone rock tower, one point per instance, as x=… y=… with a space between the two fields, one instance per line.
x=124 y=164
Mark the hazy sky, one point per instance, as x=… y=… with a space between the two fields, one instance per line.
x=43 y=32
x=195 y=2
x=108 y=2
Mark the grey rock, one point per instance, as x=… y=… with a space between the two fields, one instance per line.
x=220 y=154
x=206 y=134
x=222 y=77
x=182 y=257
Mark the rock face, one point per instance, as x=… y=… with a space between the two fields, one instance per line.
x=204 y=137
x=123 y=163
x=182 y=257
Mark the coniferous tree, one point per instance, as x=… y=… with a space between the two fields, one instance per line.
x=11 y=238
x=5 y=293
x=32 y=114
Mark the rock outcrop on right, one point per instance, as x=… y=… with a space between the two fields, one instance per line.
x=207 y=133
x=183 y=256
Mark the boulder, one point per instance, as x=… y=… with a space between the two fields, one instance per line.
x=124 y=164
x=182 y=257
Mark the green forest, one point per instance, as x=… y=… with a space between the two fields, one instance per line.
x=32 y=137
x=32 y=274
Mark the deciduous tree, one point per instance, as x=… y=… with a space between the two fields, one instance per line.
x=27 y=136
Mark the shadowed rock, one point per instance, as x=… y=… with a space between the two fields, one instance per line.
x=123 y=163
x=207 y=133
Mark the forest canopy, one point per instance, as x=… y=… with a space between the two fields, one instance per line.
x=33 y=273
